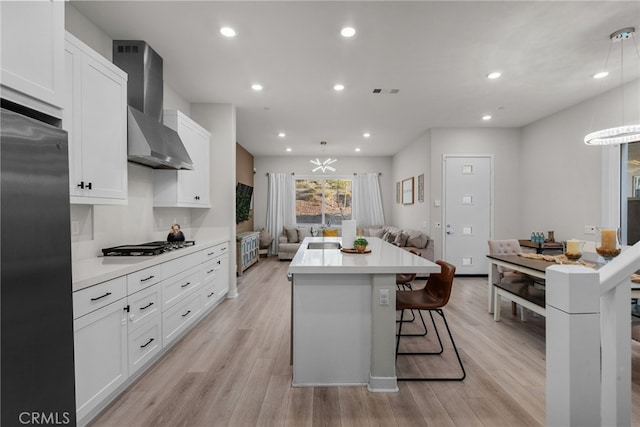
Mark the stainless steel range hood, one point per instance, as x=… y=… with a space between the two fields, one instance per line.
x=150 y=142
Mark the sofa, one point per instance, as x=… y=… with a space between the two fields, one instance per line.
x=291 y=236
x=289 y=240
x=405 y=238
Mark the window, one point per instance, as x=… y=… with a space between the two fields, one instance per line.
x=630 y=192
x=318 y=200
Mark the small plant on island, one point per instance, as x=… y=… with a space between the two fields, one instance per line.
x=360 y=244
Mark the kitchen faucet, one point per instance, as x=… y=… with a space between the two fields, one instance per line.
x=332 y=217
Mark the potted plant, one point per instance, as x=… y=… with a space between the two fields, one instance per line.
x=360 y=244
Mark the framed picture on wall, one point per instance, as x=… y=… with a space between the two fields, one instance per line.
x=407 y=191
x=421 y=188
x=398 y=193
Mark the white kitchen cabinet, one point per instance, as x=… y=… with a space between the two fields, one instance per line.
x=215 y=272
x=100 y=339
x=145 y=318
x=123 y=325
x=95 y=115
x=185 y=188
x=32 y=50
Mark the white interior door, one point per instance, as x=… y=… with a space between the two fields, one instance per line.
x=467 y=216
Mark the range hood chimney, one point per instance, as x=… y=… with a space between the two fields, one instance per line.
x=150 y=142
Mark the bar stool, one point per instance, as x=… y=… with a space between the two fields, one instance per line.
x=434 y=297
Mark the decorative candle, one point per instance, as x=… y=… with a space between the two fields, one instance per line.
x=573 y=246
x=608 y=239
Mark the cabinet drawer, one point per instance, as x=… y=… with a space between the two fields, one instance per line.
x=143 y=306
x=143 y=278
x=177 y=287
x=100 y=295
x=178 y=265
x=215 y=251
x=209 y=294
x=179 y=317
x=211 y=269
x=144 y=343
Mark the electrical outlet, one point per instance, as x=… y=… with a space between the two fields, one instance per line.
x=384 y=296
x=589 y=229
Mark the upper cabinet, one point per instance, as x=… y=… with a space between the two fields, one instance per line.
x=95 y=115
x=32 y=63
x=185 y=188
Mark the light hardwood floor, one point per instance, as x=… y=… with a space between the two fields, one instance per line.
x=233 y=370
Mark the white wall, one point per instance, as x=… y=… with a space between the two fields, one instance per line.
x=300 y=166
x=424 y=155
x=562 y=177
x=413 y=161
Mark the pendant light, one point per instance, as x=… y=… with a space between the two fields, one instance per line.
x=623 y=133
x=323 y=166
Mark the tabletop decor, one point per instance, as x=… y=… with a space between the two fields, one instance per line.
x=607 y=242
x=360 y=244
x=573 y=249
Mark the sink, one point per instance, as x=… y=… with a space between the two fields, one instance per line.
x=324 y=245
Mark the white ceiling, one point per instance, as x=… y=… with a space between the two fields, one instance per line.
x=436 y=52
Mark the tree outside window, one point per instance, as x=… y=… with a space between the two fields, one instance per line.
x=318 y=199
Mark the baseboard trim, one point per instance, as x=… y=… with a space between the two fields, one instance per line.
x=383 y=384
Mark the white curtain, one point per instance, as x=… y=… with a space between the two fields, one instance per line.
x=281 y=206
x=367 y=200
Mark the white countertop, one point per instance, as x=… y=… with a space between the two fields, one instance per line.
x=91 y=271
x=384 y=258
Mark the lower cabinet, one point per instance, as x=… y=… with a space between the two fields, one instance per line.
x=216 y=279
x=144 y=343
x=179 y=317
x=122 y=325
x=100 y=355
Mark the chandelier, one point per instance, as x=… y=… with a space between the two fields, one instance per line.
x=624 y=133
x=325 y=165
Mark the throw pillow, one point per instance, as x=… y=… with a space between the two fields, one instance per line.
x=303 y=232
x=401 y=239
x=292 y=234
x=416 y=239
x=374 y=232
x=265 y=238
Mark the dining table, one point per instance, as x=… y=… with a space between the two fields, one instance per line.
x=537 y=269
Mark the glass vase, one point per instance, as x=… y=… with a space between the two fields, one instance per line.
x=608 y=242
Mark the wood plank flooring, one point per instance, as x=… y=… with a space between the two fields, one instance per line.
x=233 y=370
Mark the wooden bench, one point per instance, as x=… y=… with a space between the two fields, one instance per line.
x=528 y=296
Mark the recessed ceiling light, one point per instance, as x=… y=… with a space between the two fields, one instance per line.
x=486 y=117
x=600 y=75
x=338 y=87
x=366 y=134
x=228 y=32
x=282 y=134
x=494 y=75
x=257 y=87
x=348 y=32
x=357 y=150
x=289 y=149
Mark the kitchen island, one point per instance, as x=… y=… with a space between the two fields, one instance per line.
x=343 y=312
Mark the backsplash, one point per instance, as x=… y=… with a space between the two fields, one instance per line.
x=97 y=227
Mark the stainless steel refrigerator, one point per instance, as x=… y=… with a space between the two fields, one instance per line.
x=36 y=307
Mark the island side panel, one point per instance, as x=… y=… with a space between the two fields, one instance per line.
x=383 y=334
x=331 y=329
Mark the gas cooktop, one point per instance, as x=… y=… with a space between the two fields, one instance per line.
x=147 y=249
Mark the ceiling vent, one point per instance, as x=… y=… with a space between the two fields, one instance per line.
x=386 y=91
